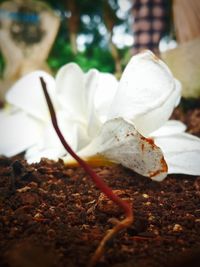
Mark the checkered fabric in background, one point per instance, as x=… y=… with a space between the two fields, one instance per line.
x=150 y=23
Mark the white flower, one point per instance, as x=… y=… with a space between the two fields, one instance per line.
x=26 y=124
x=99 y=116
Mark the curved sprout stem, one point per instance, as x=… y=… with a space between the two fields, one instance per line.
x=100 y=184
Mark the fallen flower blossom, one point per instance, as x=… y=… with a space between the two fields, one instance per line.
x=124 y=122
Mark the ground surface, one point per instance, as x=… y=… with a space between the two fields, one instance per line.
x=51 y=215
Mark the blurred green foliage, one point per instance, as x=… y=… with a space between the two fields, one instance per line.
x=96 y=53
x=92 y=57
x=2 y=64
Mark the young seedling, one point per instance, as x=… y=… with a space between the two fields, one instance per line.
x=101 y=185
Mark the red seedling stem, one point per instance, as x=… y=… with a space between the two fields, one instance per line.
x=101 y=185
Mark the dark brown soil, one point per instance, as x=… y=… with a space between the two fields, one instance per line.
x=52 y=215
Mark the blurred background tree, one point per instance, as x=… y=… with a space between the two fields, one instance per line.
x=87 y=34
x=94 y=34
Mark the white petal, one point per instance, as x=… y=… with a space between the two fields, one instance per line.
x=77 y=92
x=27 y=94
x=147 y=93
x=121 y=143
x=157 y=117
x=50 y=146
x=171 y=127
x=182 y=153
x=18 y=132
x=100 y=89
x=106 y=89
x=70 y=90
x=92 y=119
x=185 y=163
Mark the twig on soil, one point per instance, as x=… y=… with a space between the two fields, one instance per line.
x=101 y=185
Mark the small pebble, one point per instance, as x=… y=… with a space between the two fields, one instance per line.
x=177 y=228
